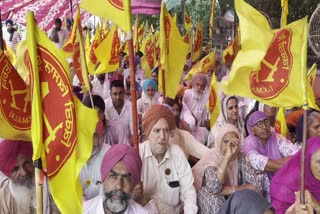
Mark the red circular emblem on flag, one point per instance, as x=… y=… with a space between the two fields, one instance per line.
x=15 y=100
x=274 y=74
x=58 y=111
x=212 y=99
x=117 y=3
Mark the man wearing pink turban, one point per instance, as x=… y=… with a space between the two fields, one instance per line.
x=17 y=188
x=120 y=172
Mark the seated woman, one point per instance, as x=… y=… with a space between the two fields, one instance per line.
x=313 y=125
x=166 y=174
x=266 y=151
x=286 y=181
x=217 y=173
x=229 y=114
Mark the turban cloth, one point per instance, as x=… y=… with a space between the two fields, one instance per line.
x=154 y=114
x=149 y=82
x=125 y=153
x=9 y=152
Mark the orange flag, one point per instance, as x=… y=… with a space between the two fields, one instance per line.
x=197 y=45
x=15 y=104
x=57 y=118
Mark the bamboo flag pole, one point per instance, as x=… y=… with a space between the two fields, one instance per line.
x=37 y=138
x=284 y=14
x=132 y=80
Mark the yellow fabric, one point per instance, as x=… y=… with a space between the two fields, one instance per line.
x=213 y=104
x=90 y=55
x=230 y=52
x=21 y=66
x=187 y=22
x=108 y=52
x=67 y=48
x=15 y=104
x=197 y=45
x=119 y=12
x=311 y=75
x=148 y=60
x=50 y=130
x=135 y=34
x=281 y=124
x=11 y=55
x=211 y=22
x=206 y=63
x=267 y=69
x=173 y=51
x=208 y=48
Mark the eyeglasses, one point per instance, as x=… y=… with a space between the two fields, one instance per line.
x=266 y=122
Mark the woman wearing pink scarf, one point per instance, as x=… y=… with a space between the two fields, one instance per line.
x=286 y=181
x=266 y=151
x=217 y=173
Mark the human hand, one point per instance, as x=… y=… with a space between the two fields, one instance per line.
x=302 y=209
x=138 y=192
x=232 y=148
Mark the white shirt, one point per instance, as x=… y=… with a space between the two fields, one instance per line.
x=90 y=175
x=196 y=105
x=125 y=115
x=103 y=90
x=95 y=206
x=156 y=182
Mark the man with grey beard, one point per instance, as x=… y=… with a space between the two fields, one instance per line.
x=120 y=172
x=17 y=193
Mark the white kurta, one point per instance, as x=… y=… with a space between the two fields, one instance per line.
x=103 y=90
x=156 y=181
x=90 y=175
x=95 y=206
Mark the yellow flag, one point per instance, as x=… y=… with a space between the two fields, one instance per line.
x=91 y=57
x=56 y=117
x=208 y=48
x=88 y=43
x=75 y=44
x=15 y=104
x=173 y=51
x=108 y=52
x=312 y=73
x=206 y=63
x=231 y=50
x=211 y=22
x=197 y=45
x=187 y=22
x=148 y=60
x=11 y=55
x=213 y=104
x=21 y=66
x=281 y=124
x=118 y=12
x=271 y=69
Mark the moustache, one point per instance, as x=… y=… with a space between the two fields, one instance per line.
x=119 y=193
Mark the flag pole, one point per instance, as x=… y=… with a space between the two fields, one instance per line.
x=38 y=184
x=37 y=138
x=132 y=78
x=163 y=84
x=71 y=9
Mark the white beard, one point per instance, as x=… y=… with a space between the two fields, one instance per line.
x=24 y=197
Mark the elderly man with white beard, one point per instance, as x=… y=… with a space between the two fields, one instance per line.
x=120 y=172
x=194 y=110
x=17 y=191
